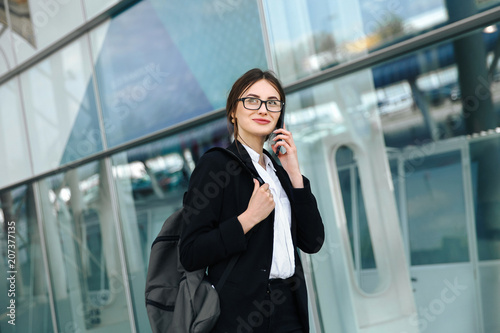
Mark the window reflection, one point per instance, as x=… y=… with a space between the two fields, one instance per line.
x=60 y=108
x=37 y=24
x=436 y=210
x=485 y=161
x=357 y=223
x=32 y=313
x=14 y=152
x=95 y=7
x=6 y=53
x=150 y=181
x=443 y=91
x=85 y=265
x=311 y=36
x=164 y=79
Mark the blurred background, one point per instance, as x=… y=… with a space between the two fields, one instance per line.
x=106 y=106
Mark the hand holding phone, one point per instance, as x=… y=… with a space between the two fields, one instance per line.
x=281 y=149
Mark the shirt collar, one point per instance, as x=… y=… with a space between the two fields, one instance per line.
x=255 y=157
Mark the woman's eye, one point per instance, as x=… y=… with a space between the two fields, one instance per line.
x=253 y=100
x=272 y=103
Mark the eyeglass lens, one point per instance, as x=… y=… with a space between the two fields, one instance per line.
x=255 y=103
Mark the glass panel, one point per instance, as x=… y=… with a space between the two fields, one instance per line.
x=60 y=107
x=345 y=185
x=490 y=289
x=485 y=162
x=436 y=210
x=446 y=90
x=83 y=252
x=367 y=256
x=357 y=223
x=37 y=24
x=172 y=69
x=14 y=154
x=396 y=178
x=150 y=181
x=346 y=166
x=6 y=53
x=95 y=7
x=24 y=304
x=310 y=36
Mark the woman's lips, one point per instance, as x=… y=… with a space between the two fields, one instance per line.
x=261 y=121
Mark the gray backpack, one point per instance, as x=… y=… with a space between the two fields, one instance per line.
x=177 y=300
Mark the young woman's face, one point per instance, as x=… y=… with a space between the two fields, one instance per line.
x=259 y=122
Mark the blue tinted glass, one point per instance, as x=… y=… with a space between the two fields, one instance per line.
x=436 y=210
x=61 y=112
x=83 y=251
x=311 y=36
x=24 y=304
x=161 y=63
x=485 y=161
x=16 y=158
x=150 y=181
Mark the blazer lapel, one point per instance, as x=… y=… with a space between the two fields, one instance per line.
x=242 y=153
x=282 y=175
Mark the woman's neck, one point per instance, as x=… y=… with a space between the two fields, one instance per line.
x=256 y=144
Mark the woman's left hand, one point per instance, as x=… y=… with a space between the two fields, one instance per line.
x=289 y=160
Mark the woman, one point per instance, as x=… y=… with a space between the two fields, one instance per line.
x=231 y=215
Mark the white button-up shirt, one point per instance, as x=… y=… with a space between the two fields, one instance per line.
x=283 y=264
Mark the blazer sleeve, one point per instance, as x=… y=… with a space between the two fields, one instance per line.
x=310 y=229
x=205 y=239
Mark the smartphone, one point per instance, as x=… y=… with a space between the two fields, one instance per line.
x=282 y=149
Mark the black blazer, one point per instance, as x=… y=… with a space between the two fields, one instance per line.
x=219 y=190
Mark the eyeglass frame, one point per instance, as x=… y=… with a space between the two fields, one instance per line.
x=262 y=101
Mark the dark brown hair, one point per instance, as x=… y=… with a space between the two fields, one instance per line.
x=241 y=85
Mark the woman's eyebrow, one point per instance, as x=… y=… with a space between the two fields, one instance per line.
x=257 y=96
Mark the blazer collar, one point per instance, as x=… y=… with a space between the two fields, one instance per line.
x=282 y=175
x=237 y=148
x=242 y=153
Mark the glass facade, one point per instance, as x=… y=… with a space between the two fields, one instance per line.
x=60 y=108
x=443 y=91
x=29 y=287
x=6 y=54
x=160 y=77
x=150 y=182
x=95 y=7
x=99 y=137
x=312 y=36
x=38 y=24
x=82 y=249
x=16 y=159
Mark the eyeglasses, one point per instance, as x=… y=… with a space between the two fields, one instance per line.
x=252 y=103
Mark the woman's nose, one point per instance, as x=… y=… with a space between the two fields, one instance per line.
x=262 y=108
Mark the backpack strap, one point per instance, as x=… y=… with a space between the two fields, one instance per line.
x=240 y=161
x=255 y=175
x=227 y=271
